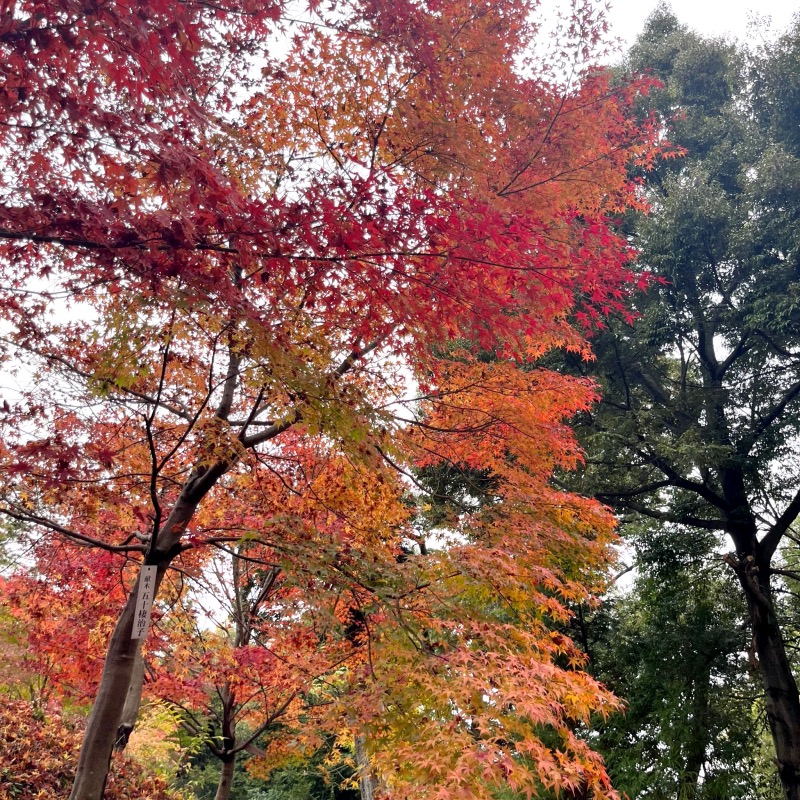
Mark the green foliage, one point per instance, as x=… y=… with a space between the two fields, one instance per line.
x=449 y=489
x=198 y=777
x=308 y=781
x=695 y=439
x=776 y=89
x=705 y=383
x=674 y=647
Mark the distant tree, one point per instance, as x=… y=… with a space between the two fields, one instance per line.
x=700 y=417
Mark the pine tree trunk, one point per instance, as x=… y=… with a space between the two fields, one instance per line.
x=226 y=778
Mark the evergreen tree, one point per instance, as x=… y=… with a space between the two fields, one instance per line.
x=674 y=647
x=701 y=411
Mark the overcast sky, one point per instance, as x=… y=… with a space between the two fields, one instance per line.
x=709 y=17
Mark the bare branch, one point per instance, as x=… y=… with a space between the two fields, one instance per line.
x=74 y=535
x=769 y=544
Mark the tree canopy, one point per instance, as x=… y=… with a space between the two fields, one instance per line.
x=699 y=419
x=257 y=270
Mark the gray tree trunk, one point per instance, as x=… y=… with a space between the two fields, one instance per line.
x=365 y=782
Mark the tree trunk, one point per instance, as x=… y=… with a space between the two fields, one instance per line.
x=101 y=729
x=364 y=774
x=780 y=688
x=768 y=653
x=698 y=738
x=104 y=721
x=226 y=778
x=133 y=700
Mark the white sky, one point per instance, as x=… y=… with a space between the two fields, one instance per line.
x=707 y=17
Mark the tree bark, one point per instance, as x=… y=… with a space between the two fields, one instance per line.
x=780 y=689
x=101 y=729
x=226 y=778
x=365 y=783
x=698 y=738
x=133 y=700
x=768 y=655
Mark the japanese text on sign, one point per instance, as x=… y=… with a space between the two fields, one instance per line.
x=144 y=601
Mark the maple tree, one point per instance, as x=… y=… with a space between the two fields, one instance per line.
x=282 y=634
x=471 y=663
x=64 y=613
x=221 y=679
x=214 y=250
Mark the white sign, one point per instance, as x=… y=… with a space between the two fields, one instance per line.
x=144 y=601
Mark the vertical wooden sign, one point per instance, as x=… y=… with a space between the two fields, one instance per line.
x=144 y=601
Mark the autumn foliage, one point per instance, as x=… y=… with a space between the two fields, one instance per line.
x=40 y=751
x=251 y=290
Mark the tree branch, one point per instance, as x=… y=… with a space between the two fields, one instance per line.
x=78 y=537
x=769 y=544
x=678 y=519
x=765 y=421
x=261 y=728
